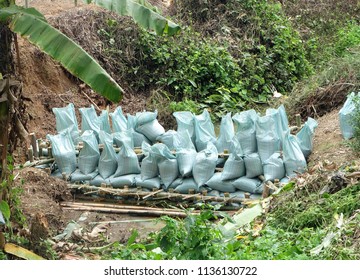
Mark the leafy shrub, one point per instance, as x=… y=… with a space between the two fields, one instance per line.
x=348 y=37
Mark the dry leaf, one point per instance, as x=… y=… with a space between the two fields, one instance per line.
x=21 y=252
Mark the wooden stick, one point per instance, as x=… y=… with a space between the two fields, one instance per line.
x=39 y=147
x=152 y=194
x=163 y=195
x=31 y=154
x=298 y=120
x=38 y=162
x=266 y=191
x=90 y=100
x=34 y=144
x=125 y=221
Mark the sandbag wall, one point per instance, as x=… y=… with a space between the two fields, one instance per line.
x=188 y=158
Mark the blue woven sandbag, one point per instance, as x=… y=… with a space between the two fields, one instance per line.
x=253 y=165
x=346 y=115
x=66 y=119
x=127 y=162
x=63 y=151
x=274 y=168
x=294 y=159
x=104 y=121
x=245 y=132
x=216 y=183
x=205 y=164
x=108 y=161
x=204 y=131
x=305 y=136
x=185 y=122
x=248 y=185
x=268 y=141
x=90 y=120
x=89 y=155
x=226 y=134
x=148 y=125
x=119 y=122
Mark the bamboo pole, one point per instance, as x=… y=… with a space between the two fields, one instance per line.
x=34 y=144
x=160 y=195
x=30 y=154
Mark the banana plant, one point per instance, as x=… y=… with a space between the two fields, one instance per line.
x=32 y=25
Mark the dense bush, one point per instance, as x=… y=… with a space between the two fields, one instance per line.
x=260 y=53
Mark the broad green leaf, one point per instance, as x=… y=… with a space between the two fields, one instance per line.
x=69 y=54
x=5 y=209
x=7 y=12
x=141 y=14
x=132 y=238
x=21 y=252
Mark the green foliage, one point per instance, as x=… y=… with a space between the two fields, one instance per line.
x=185 y=105
x=314 y=210
x=348 y=37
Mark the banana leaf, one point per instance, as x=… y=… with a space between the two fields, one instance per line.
x=33 y=26
x=141 y=14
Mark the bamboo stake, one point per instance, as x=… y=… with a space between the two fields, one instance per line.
x=162 y=195
x=298 y=120
x=266 y=191
x=34 y=144
x=152 y=194
x=123 y=222
x=38 y=162
x=31 y=154
x=111 y=209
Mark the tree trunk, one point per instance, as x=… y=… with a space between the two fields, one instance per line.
x=6 y=70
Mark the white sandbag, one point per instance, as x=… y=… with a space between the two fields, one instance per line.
x=248 y=185
x=177 y=182
x=187 y=185
x=245 y=132
x=90 y=120
x=167 y=164
x=63 y=151
x=89 y=155
x=148 y=125
x=104 y=121
x=268 y=141
x=119 y=122
x=98 y=180
x=253 y=165
x=127 y=162
x=274 y=168
x=233 y=168
x=226 y=134
x=183 y=141
x=281 y=121
x=346 y=114
x=170 y=139
x=204 y=131
x=294 y=159
x=153 y=183
x=305 y=136
x=124 y=137
x=66 y=119
x=216 y=183
x=122 y=181
x=186 y=160
x=107 y=162
x=137 y=137
x=149 y=164
x=186 y=122
x=205 y=164
x=78 y=176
